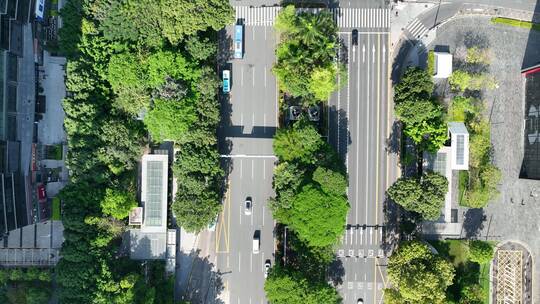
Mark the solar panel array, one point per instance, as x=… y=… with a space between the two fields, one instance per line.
x=460 y=150
x=154 y=191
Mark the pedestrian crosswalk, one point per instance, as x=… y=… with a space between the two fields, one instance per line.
x=416 y=29
x=368 y=18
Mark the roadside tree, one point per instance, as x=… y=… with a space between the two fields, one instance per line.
x=419 y=276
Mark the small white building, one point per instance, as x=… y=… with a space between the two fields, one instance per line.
x=443 y=65
x=459 y=137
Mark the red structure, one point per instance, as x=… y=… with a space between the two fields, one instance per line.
x=531 y=70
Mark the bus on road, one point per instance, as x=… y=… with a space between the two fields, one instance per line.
x=238 y=41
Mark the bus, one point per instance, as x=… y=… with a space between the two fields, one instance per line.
x=238 y=41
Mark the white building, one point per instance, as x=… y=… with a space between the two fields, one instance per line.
x=443 y=65
x=445 y=162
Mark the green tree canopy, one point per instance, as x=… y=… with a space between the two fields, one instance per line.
x=480 y=252
x=424 y=123
x=306 y=54
x=415 y=84
x=118 y=203
x=298 y=142
x=424 y=196
x=316 y=216
x=418 y=275
x=293 y=288
x=331 y=182
x=170 y=119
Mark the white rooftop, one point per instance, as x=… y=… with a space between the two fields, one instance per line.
x=443 y=65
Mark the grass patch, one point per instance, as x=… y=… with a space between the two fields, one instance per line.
x=516 y=23
x=54 y=152
x=456 y=251
x=484 y=280
x=431 y=63
x=56 y=209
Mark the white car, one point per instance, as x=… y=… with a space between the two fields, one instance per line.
x=248 y=205
x=360 y=301
x=266 y=268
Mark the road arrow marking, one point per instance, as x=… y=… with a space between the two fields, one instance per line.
x=363 y=53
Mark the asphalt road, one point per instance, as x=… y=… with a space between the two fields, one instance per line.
x=249 y=123
x=358 y=129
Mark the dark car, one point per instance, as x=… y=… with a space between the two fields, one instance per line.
x=355 y=37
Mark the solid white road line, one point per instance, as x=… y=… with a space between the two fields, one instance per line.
x=264 y=168
x=367 y=136
x=240 y=213
x=263 y=210
x=241 y=168
x=241 y=75
x=265 y=76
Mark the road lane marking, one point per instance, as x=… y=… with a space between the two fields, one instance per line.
x=264 y=169
x=357 y=140
x=262 y=263
x=224 y=223
x=265 y=33
x=363 y=53
x=251 y=262
x=373 y=53
x=338 y=101
x=240 y=213
x=241 y=168
x=348 y=120
x=228 y=261
x=252 y=168
x=377 y=134
x=265 y=76
x=264 y=123
x=239 y=262
x=370 y=235
x=367 y=137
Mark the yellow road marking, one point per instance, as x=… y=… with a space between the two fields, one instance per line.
x=222 y=227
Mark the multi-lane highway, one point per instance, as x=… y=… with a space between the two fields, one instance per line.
x=359 y=129
x=249 y=122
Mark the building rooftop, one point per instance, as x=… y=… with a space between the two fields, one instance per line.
x=443 y=65
x=154 y=182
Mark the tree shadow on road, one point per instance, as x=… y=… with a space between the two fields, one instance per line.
x=473 y=222
x=199 y=281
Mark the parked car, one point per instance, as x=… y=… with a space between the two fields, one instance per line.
x=226 y=81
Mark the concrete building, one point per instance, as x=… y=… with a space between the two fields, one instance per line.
x=150 y=239
x=447 y=162
x=443 y=65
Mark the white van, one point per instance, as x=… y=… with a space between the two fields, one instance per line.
x=256 y=243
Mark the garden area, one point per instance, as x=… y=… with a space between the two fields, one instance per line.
x=309 y=180
x=25 y=285
x=471 y=261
